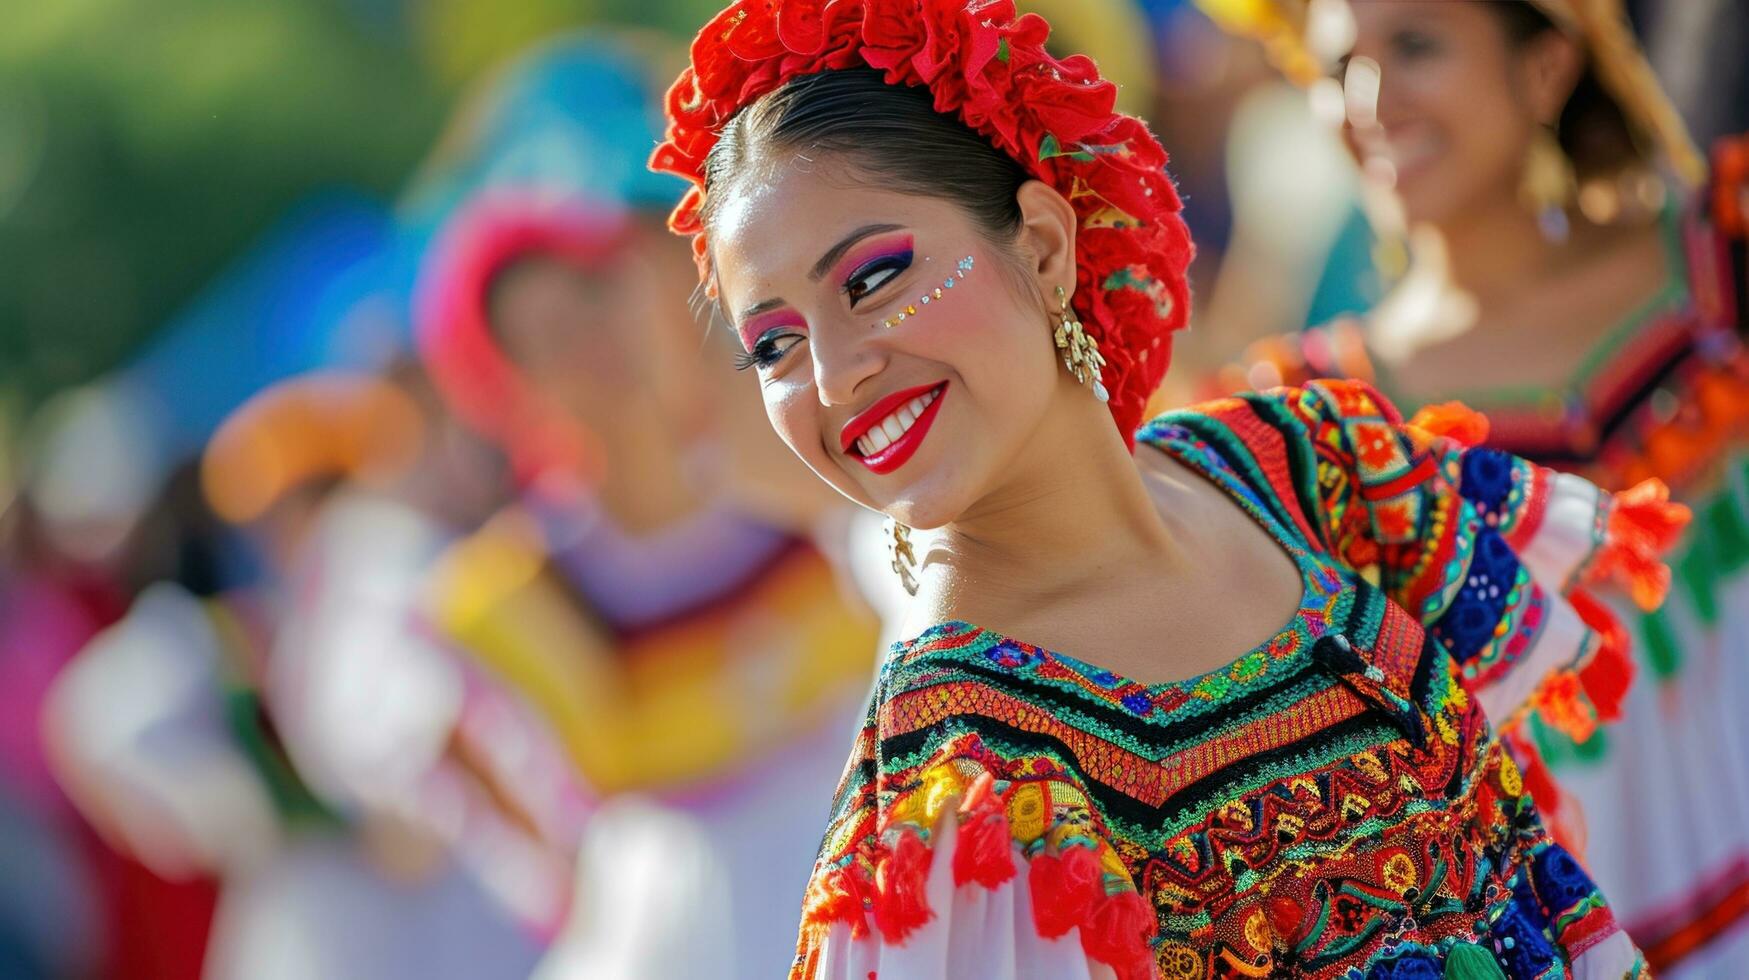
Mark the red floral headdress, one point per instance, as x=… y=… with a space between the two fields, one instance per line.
x=989 y=68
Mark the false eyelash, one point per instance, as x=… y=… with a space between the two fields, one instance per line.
x=765 y=352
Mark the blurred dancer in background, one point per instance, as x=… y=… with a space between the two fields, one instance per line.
x=386 y=723
x=1596 y=314
x=64 y=903
x=657 y=593
x=163 y=728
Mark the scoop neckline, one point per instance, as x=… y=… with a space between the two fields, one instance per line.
x=1672 y=297
x=1219 y=473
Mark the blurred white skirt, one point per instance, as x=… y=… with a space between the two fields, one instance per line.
x=706 y=886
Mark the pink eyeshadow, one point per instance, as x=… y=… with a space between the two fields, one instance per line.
x=870 y=251
x=756 y=327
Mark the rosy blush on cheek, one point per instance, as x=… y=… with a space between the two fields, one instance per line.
x=934 y=295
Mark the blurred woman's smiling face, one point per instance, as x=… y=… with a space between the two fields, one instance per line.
x=1459 y=102
x=903 y=355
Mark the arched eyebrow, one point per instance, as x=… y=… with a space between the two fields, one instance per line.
x=824 y=265
x=763 y=306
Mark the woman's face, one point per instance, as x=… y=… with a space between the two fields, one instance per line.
x=920 y=418
x=1458 y=104
x=602 y=340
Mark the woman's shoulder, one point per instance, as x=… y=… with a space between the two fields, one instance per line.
x=1256 y=418
x=956 y=667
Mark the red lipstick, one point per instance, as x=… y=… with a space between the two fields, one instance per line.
x=900 y=451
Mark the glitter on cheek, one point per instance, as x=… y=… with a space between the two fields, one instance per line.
x=961 y=269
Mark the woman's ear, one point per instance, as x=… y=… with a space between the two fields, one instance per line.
x=1551 y=64
x=1047 y=236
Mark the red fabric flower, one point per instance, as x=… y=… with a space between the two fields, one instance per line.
x=989 y=68
x=891 y=33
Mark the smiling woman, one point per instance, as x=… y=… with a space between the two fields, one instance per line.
x=1295 y=618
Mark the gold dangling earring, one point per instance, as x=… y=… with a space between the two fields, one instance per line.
x=904 y=558
x=1080 y=350
x=1549 y=184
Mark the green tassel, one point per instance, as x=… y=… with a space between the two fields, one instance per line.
x=1467 y=961
x=1663 y=650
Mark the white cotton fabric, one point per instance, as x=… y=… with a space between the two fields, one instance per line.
x=709 y=885
x=1565 y=540
x=1664 y=806
x=137 y=732
x=1611 y=959
x=1662 y=809
x=976 y=932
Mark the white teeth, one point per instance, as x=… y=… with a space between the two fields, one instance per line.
x=893 y=427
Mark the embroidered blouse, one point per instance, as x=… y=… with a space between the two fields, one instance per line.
x=1332 y=803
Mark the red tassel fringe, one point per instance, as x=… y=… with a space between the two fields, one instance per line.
x=985 y=852
x=1610 y=673
x=901 y=903
x=1643 y=525
x=838 y=897
x=1118 y=935
x=1064 y=889
x=1068 y=890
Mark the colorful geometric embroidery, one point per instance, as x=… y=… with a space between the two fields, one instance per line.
x=1331 y=803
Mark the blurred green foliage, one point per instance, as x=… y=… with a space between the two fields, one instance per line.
x=144 y=144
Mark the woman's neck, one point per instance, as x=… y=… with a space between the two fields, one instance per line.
x=1072 y=515
x=1495 y=251
x=645 y=485
x=1466 y=271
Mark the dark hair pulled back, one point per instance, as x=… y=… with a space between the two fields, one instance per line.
x=1593 y=130
x=890 y=132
